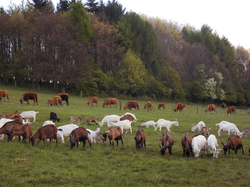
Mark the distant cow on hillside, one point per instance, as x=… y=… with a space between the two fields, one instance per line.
x=29 y=96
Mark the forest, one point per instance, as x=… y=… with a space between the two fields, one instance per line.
x=101 y=49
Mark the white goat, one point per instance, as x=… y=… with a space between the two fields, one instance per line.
x=198 y=126
x=199 y=143
x=77 y=119
x=2 y=122
x=213 y=146
x=149 y=123
x=29 y=114
x=124 y=125
x=135 y=120
x=109 y=118
x=48 y=122
x=165 y=123
x=65 y=130
x=93 y=134
x=229 y=127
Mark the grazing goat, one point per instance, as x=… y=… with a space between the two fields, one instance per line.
x=48 y=131
x=210 y=108
x=161 y=105
x=198 y=126
x=149 y=123
x=54 y=117
x=4 y=93
x=109 y=118
x=165 y=123
x=76 y=119
x=204 y=131
x=199 y=143
x=90 y=120
x=6 y=128
x=245 y=131
x=114 y=133
x=231 y=110
x=93 y=134
x=26 y=132
x=77 y=135
x=29 y=114
x=131 y=115
x=5 y=115
x=15 y=116
x=65 y=130
x=29 y=96
x=124 y=125
x=109 y=102
x=127 y=117
x=140 y=139
x=233 y=142
x=132 y=104
x=93 y=100
x=186 y=143
x=213 y=146
x=167 y=141
x=2 y=122
x=148 y=105
x=226 y=126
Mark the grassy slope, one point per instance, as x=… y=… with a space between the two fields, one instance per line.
x=103 y=165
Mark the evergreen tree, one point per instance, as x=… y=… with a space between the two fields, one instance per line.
x=63 y=5
x=114 y=11
x=92 y=6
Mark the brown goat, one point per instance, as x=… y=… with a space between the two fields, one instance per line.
x=204 y=131
x=45 y=132
x=90 y=120
x=26 y=132
x=161 y=105
x=233 y=142
x=114 y=133
x=128 y=117
x=167 y=141
x=186 y=143
x=140 y=139
x=14 y=125
x=79 y=134
x=77 y=119
x=5 y=115
x=16 y=116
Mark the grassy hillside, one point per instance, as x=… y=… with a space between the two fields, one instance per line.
x=102 y=165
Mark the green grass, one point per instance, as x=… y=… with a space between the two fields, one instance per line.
x=102 y=165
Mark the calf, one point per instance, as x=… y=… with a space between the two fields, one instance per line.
x=54 y=117
x=47 y=131
x=77 y=119
x=167 y=141
x=149 y=123
x=226 y=126
x=186 y=143
x=231 y=110
x=233 y=142
x=90 y=120
x=165 y=123
x=4 y=93
x=161 y=105
x=140 y=139
x=93 y=100
x=29 y=114
x=199 y=143
x=65 y=130
x=26 y=132
x=77 y=135
x=198 y=126
x=114 y=133
x=213 y=146
x=210 y=108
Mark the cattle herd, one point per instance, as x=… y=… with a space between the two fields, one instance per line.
x=19 y=125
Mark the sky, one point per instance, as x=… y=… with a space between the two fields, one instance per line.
x=226 y=17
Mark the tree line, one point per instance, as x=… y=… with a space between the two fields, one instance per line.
x=100 y=49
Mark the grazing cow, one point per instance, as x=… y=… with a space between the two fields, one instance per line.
x=55 y=101
x=54 y=117
x=93 y=100
x=165 y=123
x=199 y=143
x=109 y=102
x=90 y=120
x=44 y=132
x=233 y=142
x=109 y=118
x=65 y=130
x=245 y=131
x=140 y=139
x=124 y=125
x=161 y=105
x=77 y=135
x=223 y=106
x=179 y=107
x=14 y=125
x=132 y=104
x=213 y=146
x=26 y=132
x=64 y=97
x=29 y=96
x=198 y=126
x=231 y=110
x=113 y=133
x=76 y=119
x=226 y=126
x=186 y=143
x=167 y=141
x=210 y=108
x=148 y=105
x=29 y=114
x=149 y=123
x=4 y=93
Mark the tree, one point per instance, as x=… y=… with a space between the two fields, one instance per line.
x=114 y=11
x=40 y=4
x=92 y=6
x=196 y=92
x=63 y=5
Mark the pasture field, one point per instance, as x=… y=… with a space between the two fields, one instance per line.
x=104 y=165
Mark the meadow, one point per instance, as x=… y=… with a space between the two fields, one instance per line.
x=104 y=165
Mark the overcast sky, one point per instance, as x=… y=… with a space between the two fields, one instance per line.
x=226 y=17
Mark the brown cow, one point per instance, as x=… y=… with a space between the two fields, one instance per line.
x=4 y=93
x=161 y=105
x=140 y=139
x=210 y=108
x=179 y=106
x=233 y=142
x=148 y=105
x=223 y=106
x=79 y=134
x=167 y=141
x=114 y=133
x=64 y=97
x=132 y=104
x=29 y=96
x=186 y=143
x=55 y=101
x=109 y=102
x=93 y=100
x=231 y=110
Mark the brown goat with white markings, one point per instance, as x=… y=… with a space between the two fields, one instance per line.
x=186 y=143
x=140 y=139
x=167 y=141
x=114 y=133
x=128 y=117
x=77 y=135
x=26 y=132
x=45 y=132
x=204 y=131
x=77 y=119
x=233 y=142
